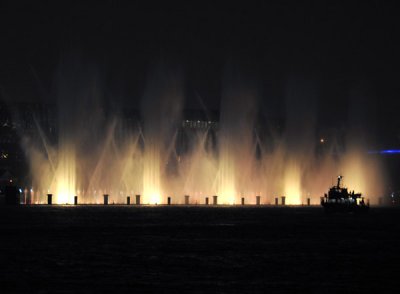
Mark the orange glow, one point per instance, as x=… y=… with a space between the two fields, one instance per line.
x=65 y=178
x=157 y=153
x=153 y=197
x=226 y=197
x=231 y=173
x=292 y=184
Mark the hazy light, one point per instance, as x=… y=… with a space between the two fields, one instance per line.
x=232 y=160
x=65 y=178
x=387 y=151
x=390 y=151
x=151 y=172
x=292 y=188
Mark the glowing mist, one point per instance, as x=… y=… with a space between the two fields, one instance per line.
x=160 y=155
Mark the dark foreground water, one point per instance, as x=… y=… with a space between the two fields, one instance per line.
x=120 y=249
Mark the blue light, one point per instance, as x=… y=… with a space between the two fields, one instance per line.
x=387 y=151
x=390 y=151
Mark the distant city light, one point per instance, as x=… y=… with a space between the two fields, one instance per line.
x=387 y=151
x=322 y=140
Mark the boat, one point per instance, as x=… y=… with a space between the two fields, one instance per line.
x=339 y=199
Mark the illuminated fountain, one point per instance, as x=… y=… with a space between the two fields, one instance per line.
x=97 y=153
x=64 y=182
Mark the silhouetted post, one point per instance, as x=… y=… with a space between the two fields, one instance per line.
x=169 y=200
x=258 y=200
x=206 y=200
x=105 y=199
x=186 y=199
x=75 y=200
x=308 y=201
x=276 y=201
x=215 y=200
x=242 y=200
x=128 y=200
x=49 y=199
x=283 y=200
x=137 y=199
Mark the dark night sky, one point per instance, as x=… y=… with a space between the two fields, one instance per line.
x=345 y=48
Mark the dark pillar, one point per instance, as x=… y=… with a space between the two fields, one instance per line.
x=49 y=199
x=169 y=200
x=283 y=200
x=258 y=200
x=276 y=200
x=128 y=200
x=137 y=199
x=207 y=201
x=215 y=200
x=242 y=200
x=105 y=199
x=322 y=200
x=308 y=201
x=186 y=199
